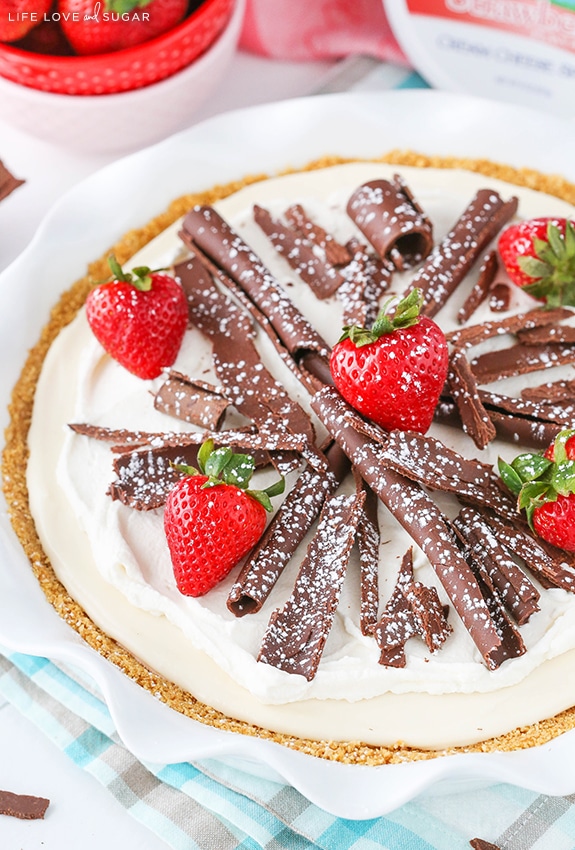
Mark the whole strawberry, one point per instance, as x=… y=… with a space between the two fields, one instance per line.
x=212 y=519
x=545 y=489
x=393 y=373
x=109 y=25
x=19 y=17
x=139 y=318
x=539 y=256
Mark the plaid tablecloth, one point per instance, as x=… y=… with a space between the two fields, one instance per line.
x=209 y=805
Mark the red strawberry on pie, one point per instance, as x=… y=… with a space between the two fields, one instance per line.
x=139 y=318
x=212 y=519
x=539 y=256
x=545 y=489
x=393 y=373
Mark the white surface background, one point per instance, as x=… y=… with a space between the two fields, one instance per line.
x=82 y=813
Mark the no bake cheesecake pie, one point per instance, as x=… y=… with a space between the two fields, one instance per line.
x=397 y=605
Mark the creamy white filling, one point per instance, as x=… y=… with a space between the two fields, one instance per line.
x=125 y=555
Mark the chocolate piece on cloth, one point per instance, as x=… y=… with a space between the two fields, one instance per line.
x=23 y=806
x=413 y=610
x=8 y=183
x=480 y=844
x=205 y=231
x=463 y=388
x=321 y=277
x=192 y=401
x=392 y=221
x=451 y=260
x=418 y=514
x=296 y=634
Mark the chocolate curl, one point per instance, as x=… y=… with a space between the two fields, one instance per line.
x=476 y=334
x=413 y=610
x=552 y=570
x=8 y=183
x=368 y=540
x=392 y=221
x=251 y=387
x=501 y=296
x=366 y=279
x=480 y=291
x=322 y=278
x=192 y=401
x=518 y=594
x=558 y=414
x=450 y=261
x=553 y=391
x=463 y=388
x=290 y=524
x=144 y=478
x=335 y=253
x=549 y=333
x=205 y=230
x=421 y=518
x=518 y=430
x=426 y=460
x=296 y=634
x=520 y=360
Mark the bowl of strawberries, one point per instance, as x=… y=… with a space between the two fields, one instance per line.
x=94 y=47
x=89 y=74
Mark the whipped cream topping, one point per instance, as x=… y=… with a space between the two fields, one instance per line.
x=125 y=551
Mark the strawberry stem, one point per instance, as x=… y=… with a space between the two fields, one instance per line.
x=405 y=315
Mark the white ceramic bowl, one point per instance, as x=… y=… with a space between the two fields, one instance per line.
x=120 y=123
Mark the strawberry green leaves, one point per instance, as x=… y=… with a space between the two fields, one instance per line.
x=538 y=480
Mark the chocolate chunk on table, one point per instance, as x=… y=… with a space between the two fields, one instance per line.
x=451 y=260
x=392 y=221
x=8 y=183
x=24 y=806
x=296 y=635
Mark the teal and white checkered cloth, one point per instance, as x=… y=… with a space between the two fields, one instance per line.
x=209 y=805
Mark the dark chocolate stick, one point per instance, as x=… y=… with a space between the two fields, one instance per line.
x=463 y=388
x=23 y=806
x=335 y=253
x=451 y=260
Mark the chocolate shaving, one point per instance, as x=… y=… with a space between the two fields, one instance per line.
x=556 y=413
x=204 y=229
x=368 y=540
x=554 y=391
x=520 y=360
x=550 y=571
x=463 y=388
x=8 y=183
x=23 y=806
x=549 y=333
x=292 y=521
x=335 y=253
x=321 y=277
x=475 y=334
x=144 y=478
x=296 y=634
x=366 y=278
x=392 y=221
x=413 y=610
x=508 y=427
x=451 y=260
x=480 y=844
x=192 y=401
x=480 y=291
x=518 y=593
x=421 y=518
x=501 y=296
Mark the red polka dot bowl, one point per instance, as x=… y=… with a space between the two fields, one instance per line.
x=123 y=70
x=125 y=120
